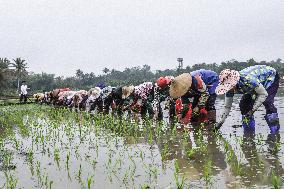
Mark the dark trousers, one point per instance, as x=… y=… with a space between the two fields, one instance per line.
x=248 y=101
x=107 y=104
x=99 y=104
x=23 y=97
x=147 y=107
x=119 y=106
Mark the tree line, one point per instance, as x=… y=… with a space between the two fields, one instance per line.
x=15 y=71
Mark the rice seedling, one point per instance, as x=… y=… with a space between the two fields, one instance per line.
x=179 y=182
x=207 y=172
x=260 y=139
x=38 y=173
x=11 y=180
x=276 y=181
x=67 y=160
x=230 y=155
x=50 y=134
x=56 y=155
x=150 y=140
x=191 y=153
x=165 y=152
x=125 y=178
x=79 y=174
x=144 y=186
x=277 y=147
x=50 y=184
x=90 y=181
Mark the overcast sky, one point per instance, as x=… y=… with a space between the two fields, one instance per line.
x=57 y=36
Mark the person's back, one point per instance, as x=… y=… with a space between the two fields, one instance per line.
x=252 y=76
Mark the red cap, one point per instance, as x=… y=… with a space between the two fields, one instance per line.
x=162 y=82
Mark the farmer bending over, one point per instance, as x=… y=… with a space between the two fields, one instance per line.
x=199 y=85
x=162 y=93
x=259 y=85
x=129 y=99
x=204 y=83
x=145 y=96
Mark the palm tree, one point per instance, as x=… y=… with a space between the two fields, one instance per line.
x=20 y=65
x=79 y=74
x=4 y=63
x=106 y=70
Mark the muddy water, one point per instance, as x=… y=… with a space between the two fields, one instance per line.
x=60 y=150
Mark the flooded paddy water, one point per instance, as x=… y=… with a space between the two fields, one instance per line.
x=44 y=147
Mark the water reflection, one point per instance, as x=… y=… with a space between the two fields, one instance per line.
x=204 y=156
x=255 y=168
x=233 y=160
x=197 y=153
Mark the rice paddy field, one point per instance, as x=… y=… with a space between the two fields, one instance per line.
x=46 y=147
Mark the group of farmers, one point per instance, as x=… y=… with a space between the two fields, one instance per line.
x=189 y=96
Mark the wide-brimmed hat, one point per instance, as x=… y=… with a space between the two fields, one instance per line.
x=107 y=91
x=180 y=85
x=227 y=80
x=94 y=92
x=126 y=91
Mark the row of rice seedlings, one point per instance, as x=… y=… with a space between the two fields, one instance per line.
x=122 y=128
x=257 y=163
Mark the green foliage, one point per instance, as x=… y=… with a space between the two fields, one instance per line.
x=12 y=73
x=276 y=181
x=179 y=183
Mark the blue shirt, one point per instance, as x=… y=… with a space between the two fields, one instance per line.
x=210 y=78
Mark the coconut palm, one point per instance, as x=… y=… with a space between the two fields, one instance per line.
x=4 y=63
x=106 y=70
x=20 y=65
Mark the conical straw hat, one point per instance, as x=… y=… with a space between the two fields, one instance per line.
x=180 y=85
x=126 y=91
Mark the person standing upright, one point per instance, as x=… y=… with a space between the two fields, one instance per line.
x=24 y=92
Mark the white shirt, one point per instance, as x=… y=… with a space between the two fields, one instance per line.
x=24 y=89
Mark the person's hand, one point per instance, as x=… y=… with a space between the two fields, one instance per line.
x=167 y=104
x=217 y=126
x=184 y=111
x=203 y=113
x=195 y=111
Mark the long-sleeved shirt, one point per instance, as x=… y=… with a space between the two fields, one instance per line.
x=145 y=91
x=253 y=80
x=209 y=80
x=204 y=83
